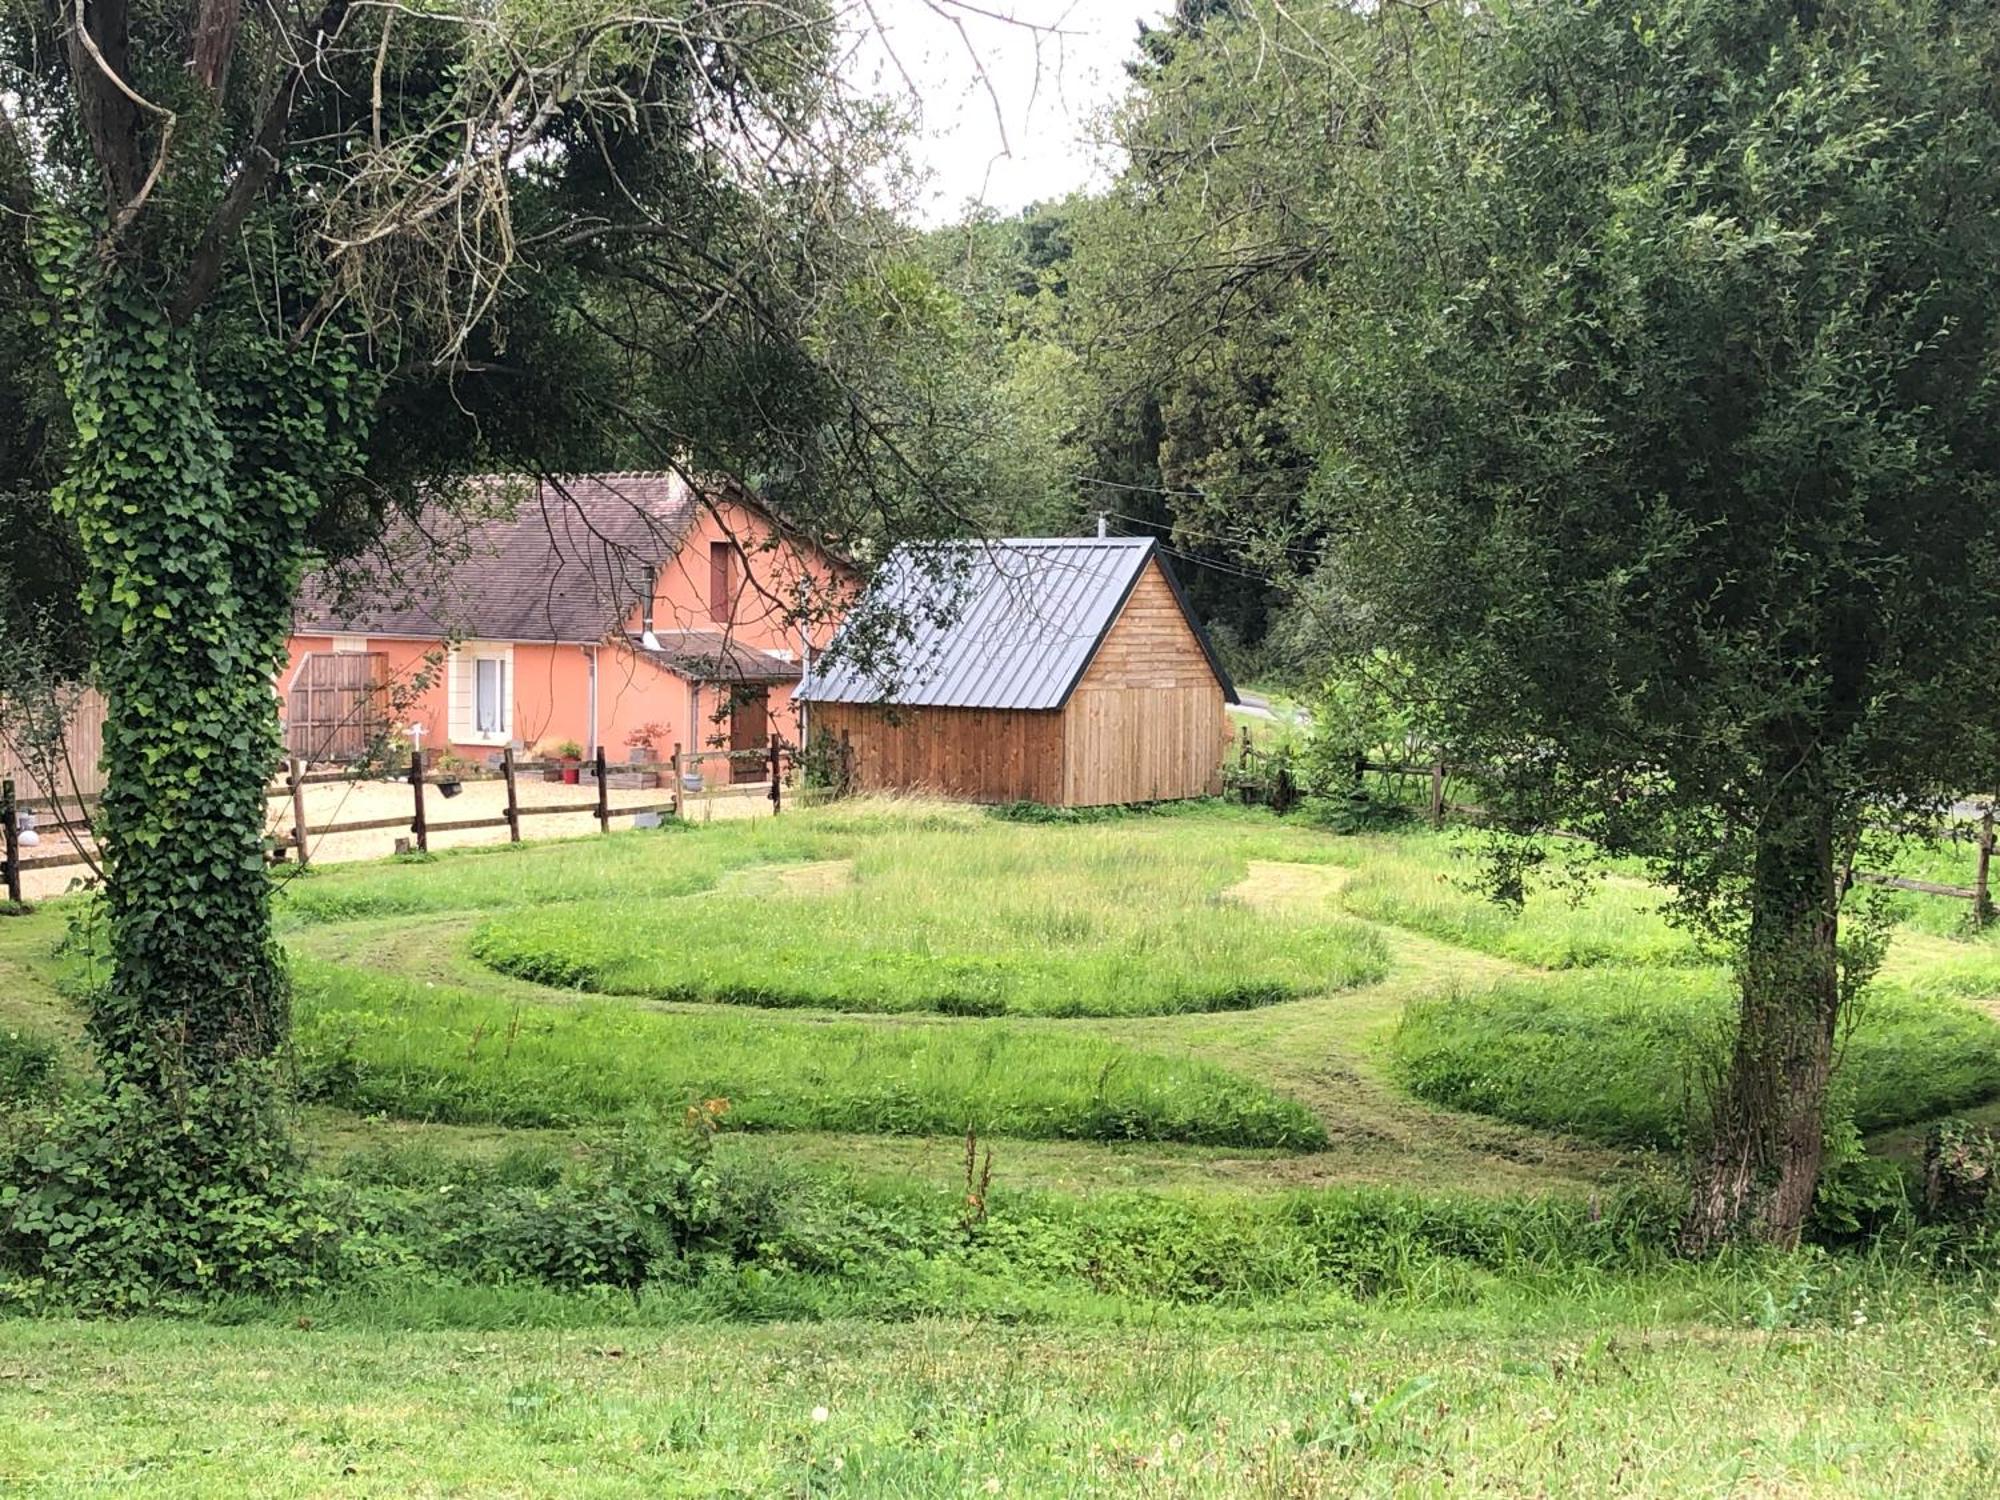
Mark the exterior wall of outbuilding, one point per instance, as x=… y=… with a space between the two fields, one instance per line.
x=1147 y=722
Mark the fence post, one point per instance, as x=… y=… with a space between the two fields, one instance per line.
x=1243 y=754
x=674 y=770
x=417 y=790
x=603 y=796
x=10 y=842
x=1982 y=894
x=846 y=765
x=513 y=798
x=298 y=807
x=1437 y=794
x=776 y=806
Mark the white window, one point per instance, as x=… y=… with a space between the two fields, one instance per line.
x=489 y=713
x=479 y=691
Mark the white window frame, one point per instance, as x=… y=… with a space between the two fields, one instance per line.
x=462 y=686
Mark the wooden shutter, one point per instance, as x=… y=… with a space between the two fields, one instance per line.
x=718 y=580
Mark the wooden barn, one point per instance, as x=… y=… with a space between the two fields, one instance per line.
x=1064 y=671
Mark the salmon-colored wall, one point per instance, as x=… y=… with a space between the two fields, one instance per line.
x=552 y=697
x=772 y=580
x=551 y=686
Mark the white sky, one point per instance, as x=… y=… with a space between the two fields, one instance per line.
x=1050 y=85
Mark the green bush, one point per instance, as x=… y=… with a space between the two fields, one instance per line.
x=438 y=1053
x=1618 y=1056
x=29 y=1066
x=651 y=1210
x=115 y=1200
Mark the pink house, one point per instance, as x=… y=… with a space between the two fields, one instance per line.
x=596 y=608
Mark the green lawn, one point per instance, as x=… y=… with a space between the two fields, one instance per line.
x=1099 y=919
x=1313 y=1174
x=1395 y=1406
x=386 y=1045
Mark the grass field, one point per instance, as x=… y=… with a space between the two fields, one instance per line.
x=1084 y=920
x=1312 y=1174
x=974 y=1409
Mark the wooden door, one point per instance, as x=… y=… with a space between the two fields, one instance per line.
x=749 y=729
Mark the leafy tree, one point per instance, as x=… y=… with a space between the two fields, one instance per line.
x=1183 y=285
x=294 y=267
x=1655 y=393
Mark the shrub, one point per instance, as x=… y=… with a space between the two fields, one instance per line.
x=29 y=1066
x=1961 y=1165
x=119 y=1201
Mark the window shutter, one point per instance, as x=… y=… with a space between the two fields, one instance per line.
x=718 y=580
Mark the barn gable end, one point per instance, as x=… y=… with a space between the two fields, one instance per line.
x=1147 y=721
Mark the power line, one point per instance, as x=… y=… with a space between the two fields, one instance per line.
x=1310 y=554
x=1211 y=563
x=1155 y=489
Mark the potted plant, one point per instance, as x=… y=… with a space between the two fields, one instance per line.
x=568 y=755
x=642 y=752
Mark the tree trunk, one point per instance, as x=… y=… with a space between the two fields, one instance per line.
x=1757 y=1175
x=179 y=567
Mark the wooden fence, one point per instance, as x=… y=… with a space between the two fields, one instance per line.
x=1437 y=776
x=76 y=772
x=430 y=789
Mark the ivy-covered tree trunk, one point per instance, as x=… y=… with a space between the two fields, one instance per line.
x=1768 y=1126
x=193 y=483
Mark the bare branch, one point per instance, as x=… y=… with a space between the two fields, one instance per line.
x=259 y=162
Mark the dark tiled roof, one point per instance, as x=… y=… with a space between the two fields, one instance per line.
x=1000 y=624
x=711 y=656
x=561 y=559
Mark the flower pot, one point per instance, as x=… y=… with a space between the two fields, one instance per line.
x=571 y=773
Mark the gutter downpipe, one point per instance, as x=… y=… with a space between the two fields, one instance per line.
x=590 y=653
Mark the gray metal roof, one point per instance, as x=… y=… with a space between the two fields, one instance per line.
x=999 y=624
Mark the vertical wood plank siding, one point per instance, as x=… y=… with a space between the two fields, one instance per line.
x=83 y=744
x=336 y=706
x=1147 y=723
x=979 y=754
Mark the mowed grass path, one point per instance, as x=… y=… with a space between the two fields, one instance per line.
x=914 y=908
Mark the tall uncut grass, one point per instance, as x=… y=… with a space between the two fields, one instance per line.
x=1423 y=884
x=1620 y=1056
x=1113 y=918
x=424 y=1052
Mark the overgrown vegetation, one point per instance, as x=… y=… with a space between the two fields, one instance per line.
x=429 y=1052
x=1625 y=1056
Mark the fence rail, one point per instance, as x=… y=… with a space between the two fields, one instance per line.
x=683 y=767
